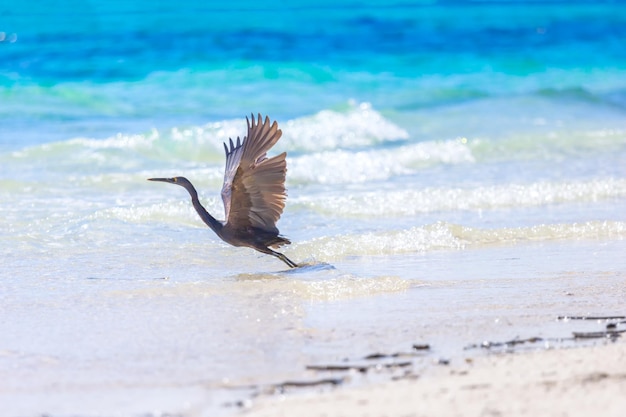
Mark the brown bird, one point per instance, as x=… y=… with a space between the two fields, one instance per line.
x=253 y=192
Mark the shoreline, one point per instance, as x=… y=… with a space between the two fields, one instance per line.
x=572 y=381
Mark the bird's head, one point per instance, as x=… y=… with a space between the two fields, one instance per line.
x=182 y=181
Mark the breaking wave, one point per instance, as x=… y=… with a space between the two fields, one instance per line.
x=447 y=236
x=411 y=202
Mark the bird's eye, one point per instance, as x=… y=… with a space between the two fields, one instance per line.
x=175 y=179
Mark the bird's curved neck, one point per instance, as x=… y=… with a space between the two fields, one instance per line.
x=210 y=221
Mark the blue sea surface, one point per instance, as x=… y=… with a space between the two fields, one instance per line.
x=456 y=173
x=95 y=68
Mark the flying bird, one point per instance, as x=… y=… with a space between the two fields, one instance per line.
x=253 y=192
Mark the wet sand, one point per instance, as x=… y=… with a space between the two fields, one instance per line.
x=561 y=382
x=254 y=344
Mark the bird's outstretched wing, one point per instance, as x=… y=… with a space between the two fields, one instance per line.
x=254 y=185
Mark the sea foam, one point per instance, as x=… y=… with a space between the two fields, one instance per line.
x=448 y=236
x=410 y=202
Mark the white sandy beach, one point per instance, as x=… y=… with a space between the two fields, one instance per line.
x=195 y=348
x=573 y=382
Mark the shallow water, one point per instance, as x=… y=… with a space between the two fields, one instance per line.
x=194 y=341
x=456 y=173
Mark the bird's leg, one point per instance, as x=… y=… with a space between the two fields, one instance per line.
x=283 y=258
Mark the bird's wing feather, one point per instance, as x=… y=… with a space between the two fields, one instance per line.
x=254 y=186
x=233 y=156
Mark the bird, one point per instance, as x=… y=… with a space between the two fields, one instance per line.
x=253 y=192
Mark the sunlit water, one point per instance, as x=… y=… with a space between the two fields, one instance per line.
x=455 y=174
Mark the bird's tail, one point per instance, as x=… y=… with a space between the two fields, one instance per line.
x=278 y=241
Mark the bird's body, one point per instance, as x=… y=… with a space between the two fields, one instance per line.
x=253 y=192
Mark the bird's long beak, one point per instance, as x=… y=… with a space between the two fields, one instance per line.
x=161 y=179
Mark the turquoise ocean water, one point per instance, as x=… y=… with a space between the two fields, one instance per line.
x=463 y=162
